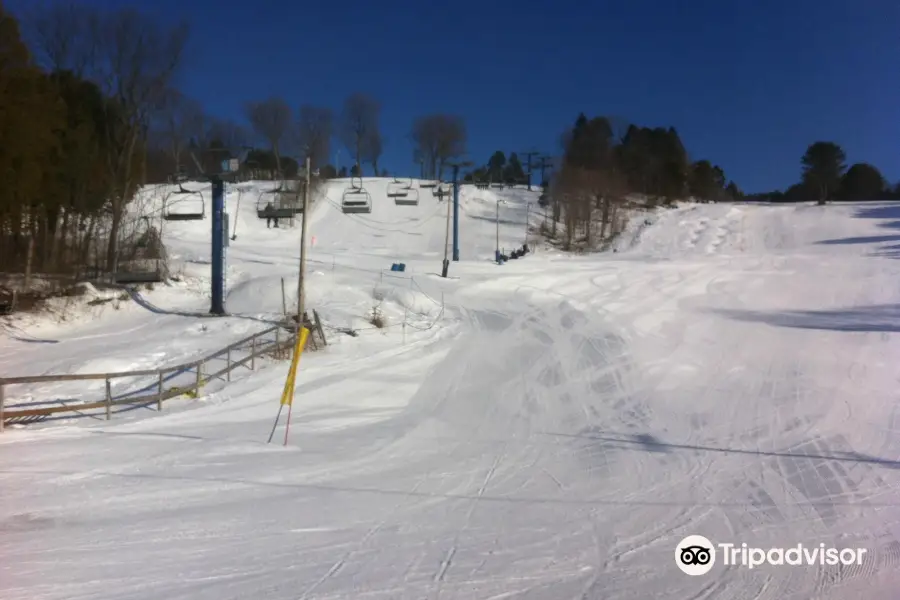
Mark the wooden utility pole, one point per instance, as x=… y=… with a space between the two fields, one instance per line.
x=301 y=295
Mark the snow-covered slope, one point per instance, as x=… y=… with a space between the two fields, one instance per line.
x=729 y=372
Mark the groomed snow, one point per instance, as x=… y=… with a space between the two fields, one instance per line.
x=550 y=428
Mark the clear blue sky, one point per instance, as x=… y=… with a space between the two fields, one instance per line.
x=747 y=83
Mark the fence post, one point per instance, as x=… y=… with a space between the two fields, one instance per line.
x=160 y=393
x=278 y=342
x=108 y=399
x=253 y=353
x=228 y=365
x=199 y=378
x=2 y=418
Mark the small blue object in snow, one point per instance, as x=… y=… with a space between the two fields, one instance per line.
x=401 y=267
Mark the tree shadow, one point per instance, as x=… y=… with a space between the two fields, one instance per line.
x=883 y=318
x=501 y=221
x=892 y=251
x=872 y=239
x=147 y=305
x=889 y=213
x=887 y=210
x=369 y=492
x=648 y=443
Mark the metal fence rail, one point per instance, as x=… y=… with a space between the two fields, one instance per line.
x=275 y=342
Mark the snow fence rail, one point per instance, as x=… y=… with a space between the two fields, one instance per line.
x=275 y=342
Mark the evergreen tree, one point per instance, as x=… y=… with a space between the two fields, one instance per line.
x=823 y=165
x=495 y=166
x=513 y=172
x=863 y=181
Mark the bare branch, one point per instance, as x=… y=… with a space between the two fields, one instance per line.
x=439 y=138
x=271 y=120
x=315 y=127
x=359 y=128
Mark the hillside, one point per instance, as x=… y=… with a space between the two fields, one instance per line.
x=554 y=432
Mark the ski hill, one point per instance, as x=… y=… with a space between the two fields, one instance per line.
x=549 y=428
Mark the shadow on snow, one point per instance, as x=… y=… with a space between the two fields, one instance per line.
x=883 y=318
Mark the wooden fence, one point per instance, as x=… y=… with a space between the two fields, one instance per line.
x=275 y=342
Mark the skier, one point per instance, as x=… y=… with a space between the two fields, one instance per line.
x=270 y=216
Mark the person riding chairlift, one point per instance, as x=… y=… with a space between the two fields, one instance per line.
x=270 y=215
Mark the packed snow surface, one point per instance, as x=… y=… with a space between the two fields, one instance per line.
x=551 y=428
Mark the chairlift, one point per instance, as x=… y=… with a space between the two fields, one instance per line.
x=190 y=214
x=429 y=184
x=178 y=177
x=279 y=209
x=141 y=270
x=356 y=199
x=441 y=190
x=406 y=195
x=146 y=261
x=398 y=189
x=7 y=301
x=410 y=199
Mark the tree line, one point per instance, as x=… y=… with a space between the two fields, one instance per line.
x=90 y=111
x=824 y=176
x=605 y=161
x=73 y=131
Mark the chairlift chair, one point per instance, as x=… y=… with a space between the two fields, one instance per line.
x=410 y=199
x=140 y=271
x=187 y=215
x=441 y=190
x=397 y=189
x=429 y=184
x=279 y=211
x=410 y=196
x=356 y=199
x=7 y=301
x=143 y=259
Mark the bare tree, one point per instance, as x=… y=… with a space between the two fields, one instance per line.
x=439 y=138
x=65 y=36
x=271 y=120
x=315 y=127
x=180 y=119
x=133 y=59
x=359 y=128
x=232 y=136
x=373 y=149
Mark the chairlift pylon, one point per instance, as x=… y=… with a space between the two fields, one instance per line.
x=356 y=199
x=192 y=215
